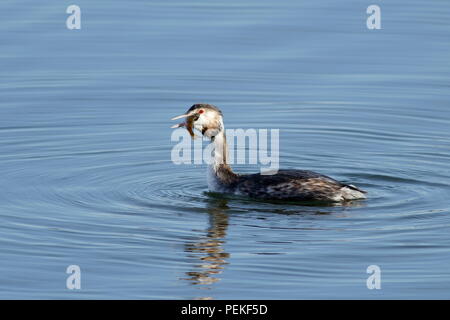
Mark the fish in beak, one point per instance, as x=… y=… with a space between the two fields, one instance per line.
x=189 y=123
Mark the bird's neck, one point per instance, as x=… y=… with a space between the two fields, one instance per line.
x=220 y=167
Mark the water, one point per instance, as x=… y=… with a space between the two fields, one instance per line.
x=86 y=174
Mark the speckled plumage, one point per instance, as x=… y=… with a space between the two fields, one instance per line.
x=299 y=185
x=293 y=185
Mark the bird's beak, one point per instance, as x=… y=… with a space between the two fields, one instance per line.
x=183 y=124
x=183 y=115
x=188 y=123
x=179 y=117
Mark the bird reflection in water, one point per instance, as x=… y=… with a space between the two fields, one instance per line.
x=208 y=250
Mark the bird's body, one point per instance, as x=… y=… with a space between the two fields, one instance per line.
x=295 y=185
x=291 y=185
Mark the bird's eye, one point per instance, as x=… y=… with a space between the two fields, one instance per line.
x=201 y=111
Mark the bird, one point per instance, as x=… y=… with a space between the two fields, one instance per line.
x=287 y=184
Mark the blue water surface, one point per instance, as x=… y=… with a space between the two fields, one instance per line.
x=85 y=148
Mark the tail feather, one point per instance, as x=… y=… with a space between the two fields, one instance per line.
x=350 y=192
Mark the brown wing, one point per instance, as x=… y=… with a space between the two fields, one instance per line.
x=289 y=184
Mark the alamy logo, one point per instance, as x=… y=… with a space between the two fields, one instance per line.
x=374 y=280
x=74 y=20
x=74 y=280
x=235 y=150
x=374 y=20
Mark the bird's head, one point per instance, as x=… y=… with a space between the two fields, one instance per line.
x=205 y=118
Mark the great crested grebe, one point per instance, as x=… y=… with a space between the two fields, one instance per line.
x=295 y=185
